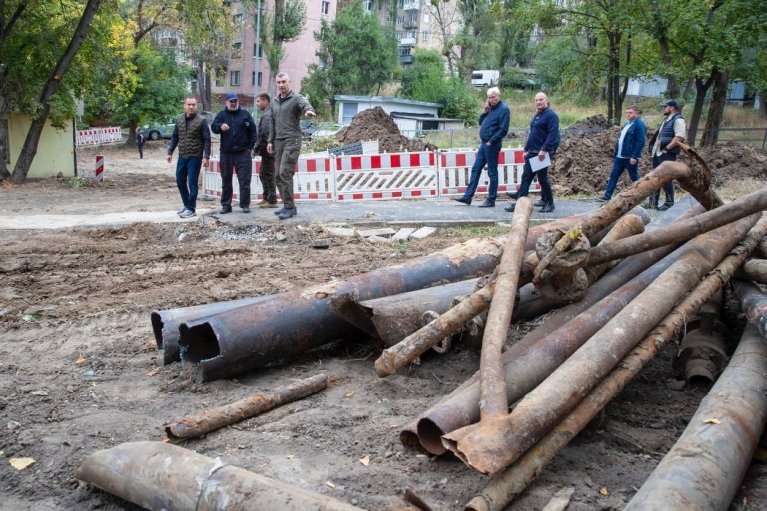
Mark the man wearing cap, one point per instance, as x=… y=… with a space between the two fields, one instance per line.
x=493 y=126
x=664 y=146
x=238 y=138
x=285 y=139
x=628 y=148
x=192 y=136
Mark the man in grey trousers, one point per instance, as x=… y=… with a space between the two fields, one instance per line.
x=285 y=139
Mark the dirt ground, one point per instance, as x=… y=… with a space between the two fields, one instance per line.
x=79 y=370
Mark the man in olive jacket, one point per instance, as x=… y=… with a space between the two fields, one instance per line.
x=285 y=139
x=192 y=136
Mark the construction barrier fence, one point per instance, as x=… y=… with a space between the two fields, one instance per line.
x=323 y=177
x=98 y=136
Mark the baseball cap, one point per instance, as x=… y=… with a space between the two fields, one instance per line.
x=231 y=96
x=671 y=102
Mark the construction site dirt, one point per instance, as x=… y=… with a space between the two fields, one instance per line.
x=80 y=371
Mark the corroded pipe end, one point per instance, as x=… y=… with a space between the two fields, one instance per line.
x=429 y=435
x=157 y=324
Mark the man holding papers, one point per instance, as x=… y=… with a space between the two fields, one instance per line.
x=542 y=143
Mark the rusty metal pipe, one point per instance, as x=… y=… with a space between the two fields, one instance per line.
x=159 y=476
x=627 y=225
x=460 y=407
x=706 y=465
x=754 y=304
x=212 y=419
x=492 y=377
x=489 y=447
x=504 y=488
x=291 y=323
x=165 y=323
x=680 y=231
x=753 y=269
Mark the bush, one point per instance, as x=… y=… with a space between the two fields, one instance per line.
x=460 y=102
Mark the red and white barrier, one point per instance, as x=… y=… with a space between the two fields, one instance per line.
x=98 y=136
x=455 y=172
x=386 y=176
x=320 y=177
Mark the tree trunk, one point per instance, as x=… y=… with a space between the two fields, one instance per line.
x=716 y=108
x=202 y=86
x=29 y=150
x=701 y=88
x=4 y=174
x=762 y=103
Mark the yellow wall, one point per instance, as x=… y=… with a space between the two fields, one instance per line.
x=55 y=152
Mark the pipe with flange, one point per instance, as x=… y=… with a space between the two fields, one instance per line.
x=703 y=349
x=681 y=231
x=705 y=467
x=159 y=476
x=291 y=323
x=489 y=447
x=505 y=487
x=754 y=304
x=212 y=419
x=459 y=408
x=493 y=402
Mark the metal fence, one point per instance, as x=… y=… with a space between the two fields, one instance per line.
x=751 y=136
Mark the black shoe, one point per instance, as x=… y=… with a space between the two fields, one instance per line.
x=462 y=200
x=603 y=199
x=225 y=210
x=650 y=205
x=665 y=206
x=538 y=203
x=246 y=209
x=510 y=208
x=287 y=213
x=279 y=211
x=512 y=195
x=547 y=208
x=487 y=204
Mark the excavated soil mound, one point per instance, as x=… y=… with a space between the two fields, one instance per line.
x=734 y=161
x=374 y=124
x=595 y=121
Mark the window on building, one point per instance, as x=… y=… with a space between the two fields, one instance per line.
x=401 y=4
x=237 y=18
x=426 y=17
x=368 y=5
x=325 y=8
x=399 y=35
x=348 y=111
x=234 y=78
x=425 y=36
x=253 y=78
x=260 y=74
x=400 y=20
x=258 y=50
x=404 y=51
x=237 y=50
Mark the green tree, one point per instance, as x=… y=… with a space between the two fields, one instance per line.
x=286 y=24
x=357 y=55
x=424 y=79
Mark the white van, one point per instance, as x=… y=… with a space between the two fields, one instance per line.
x=485 y=77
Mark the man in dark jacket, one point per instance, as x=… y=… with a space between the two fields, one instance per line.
x=628 y=148
x=664 y=146
x=493 y=126
x=192 y=136
x=266 y=175
x=542 y=142
x=238 y=139
x=285 y=139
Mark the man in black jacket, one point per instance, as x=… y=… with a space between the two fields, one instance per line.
x=238 y=138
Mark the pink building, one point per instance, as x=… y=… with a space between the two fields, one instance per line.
x=246 y=74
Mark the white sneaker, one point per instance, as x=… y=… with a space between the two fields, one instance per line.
x=181 y=211
x=188 y=213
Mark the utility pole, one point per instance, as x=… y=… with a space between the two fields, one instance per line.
x=257 y=56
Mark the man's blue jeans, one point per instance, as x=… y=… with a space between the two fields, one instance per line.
x=187 y=174
x=486 y=155
x=619 y=165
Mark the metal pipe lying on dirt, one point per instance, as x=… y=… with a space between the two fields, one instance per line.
x=489 y=447
x=215 y=418
x=159 y=476
x=753 y=269
x=706 y=465
x=292 y=323
x=492 y=381
x=754 y=304
x=505 y=487
x=627 y=225
x=165 y=323
x=681 y=231
x=460 y=408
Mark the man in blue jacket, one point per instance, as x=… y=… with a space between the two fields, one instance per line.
x=628 y=148
x=238 y=138
x=542 y=140
x=493 y=126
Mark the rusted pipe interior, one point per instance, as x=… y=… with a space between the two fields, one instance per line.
x=198 y=342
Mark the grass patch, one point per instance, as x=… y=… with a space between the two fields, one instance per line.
x=474 y=231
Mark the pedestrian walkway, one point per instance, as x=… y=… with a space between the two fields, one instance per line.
x=423 y=212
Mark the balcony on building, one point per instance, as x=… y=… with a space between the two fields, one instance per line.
x=407 y=41
x=411 y=5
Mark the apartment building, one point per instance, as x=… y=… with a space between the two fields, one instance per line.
x=247 y=72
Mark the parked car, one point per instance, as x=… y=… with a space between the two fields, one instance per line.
x=158 y=131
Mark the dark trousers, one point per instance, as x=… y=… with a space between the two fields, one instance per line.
x=668 y=188
x=286 y=152
x=242 y=163
x=187 y=175
x=267 y=176
x=619 y=165
x=486 y=155
x=547 y=194
x=140 y=151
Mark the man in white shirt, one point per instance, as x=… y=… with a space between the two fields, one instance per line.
x=628 y=149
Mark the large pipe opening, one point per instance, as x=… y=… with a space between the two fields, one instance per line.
x=198 y=342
